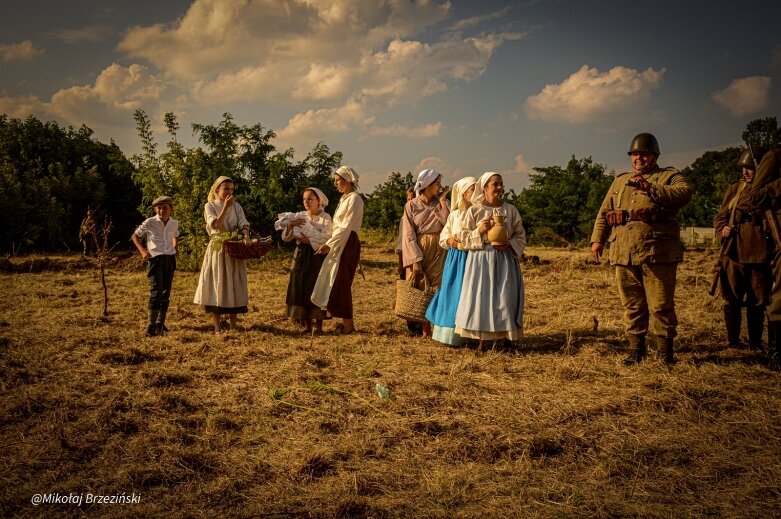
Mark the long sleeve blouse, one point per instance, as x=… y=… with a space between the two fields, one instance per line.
x=473 y=240
x=234 y=219
x=420 y=218
x=453 y=227
x=347 y=218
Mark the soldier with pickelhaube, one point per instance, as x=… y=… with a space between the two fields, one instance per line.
x=744 y=264
x=765 y=194
x=637 y=221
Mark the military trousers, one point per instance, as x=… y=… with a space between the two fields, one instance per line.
x=647 y=293
x=745 y=284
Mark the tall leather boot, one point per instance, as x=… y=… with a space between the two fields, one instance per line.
x=638 y=350
x=732 y=320
x=773 y=349
x=755 y=322
x=151 y=324
x=664 y=349
x=160 y=324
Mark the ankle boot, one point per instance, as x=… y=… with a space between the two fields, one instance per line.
x=755 y=322
x=151 y=324
x=732 y=320
x=638 y=350
x=664 y=349
x=160 y=325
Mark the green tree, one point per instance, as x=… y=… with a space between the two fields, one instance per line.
x=50 y=175
x=708 y=178
x=763 y=132
x=268 y=182
x=564 y=201
x=385 y=205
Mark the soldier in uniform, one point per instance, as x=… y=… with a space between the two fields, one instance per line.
x=765 y=194
x=637 y=220
x=744 y=267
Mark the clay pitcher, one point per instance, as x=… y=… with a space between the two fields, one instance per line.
x=498 y=233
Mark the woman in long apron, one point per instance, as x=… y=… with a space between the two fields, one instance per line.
x=222 y=285
x=491 y=305
x=333 y=288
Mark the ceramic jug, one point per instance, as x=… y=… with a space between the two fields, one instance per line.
x=498 y=233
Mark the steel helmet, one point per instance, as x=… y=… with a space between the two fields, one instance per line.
x=751 y=156
x=644 y=142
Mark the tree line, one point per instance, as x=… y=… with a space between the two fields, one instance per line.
x=50 y=176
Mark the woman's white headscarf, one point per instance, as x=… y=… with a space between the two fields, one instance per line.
x=425 y=179
x=459 y=188
x=349 y=174
x=320 y=195
x=478 y=197
x=212 y=196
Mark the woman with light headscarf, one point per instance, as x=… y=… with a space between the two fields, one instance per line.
x=222 y=285
x=333 y=288
x=441 y=311
x=424 y=218
x=311 y=228
x=491 y=305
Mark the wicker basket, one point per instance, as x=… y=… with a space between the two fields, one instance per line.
x=411 y=302
x=237 y=249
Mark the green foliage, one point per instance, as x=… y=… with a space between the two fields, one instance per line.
x=268 y=182
x=763 y=132
x=385 y=205
x=708 y=177
x=50 y=176
x=563 y=201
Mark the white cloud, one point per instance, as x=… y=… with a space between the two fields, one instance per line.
x=745 y=96
x=22 y=51
x=398 y=130
x=326 y=120
x=110 y=101
x=588 y=94
x=518 y=177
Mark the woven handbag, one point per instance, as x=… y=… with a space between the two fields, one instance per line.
x=257 y=248
x=411 y=302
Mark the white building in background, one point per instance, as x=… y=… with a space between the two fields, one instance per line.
x=699 y=236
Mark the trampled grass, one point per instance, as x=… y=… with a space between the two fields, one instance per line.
x=266 y=422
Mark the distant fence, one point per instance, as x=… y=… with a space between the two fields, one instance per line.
x=698 y=236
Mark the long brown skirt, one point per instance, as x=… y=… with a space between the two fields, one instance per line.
x=340 y=302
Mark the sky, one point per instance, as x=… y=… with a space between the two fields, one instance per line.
x=463 y=87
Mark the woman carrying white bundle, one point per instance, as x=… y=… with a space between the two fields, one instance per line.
x=491 y=305
x=310 y=228
x=441 y=311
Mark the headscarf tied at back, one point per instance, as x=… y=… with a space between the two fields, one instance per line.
x=459 y=188
x=478 y=197
x=425 y=179
x=349 y=174
x=320 y=195
x=213 y=191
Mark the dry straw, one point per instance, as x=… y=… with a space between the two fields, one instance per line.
x=269 y=422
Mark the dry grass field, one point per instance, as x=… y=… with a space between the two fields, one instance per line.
x=265 y=422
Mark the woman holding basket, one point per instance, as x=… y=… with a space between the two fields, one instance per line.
x=222 y=285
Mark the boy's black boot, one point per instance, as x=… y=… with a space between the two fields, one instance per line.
x=151 y=325
x=161 y=328
x=638 y=350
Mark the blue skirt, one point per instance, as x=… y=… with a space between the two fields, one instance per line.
x=441 y=312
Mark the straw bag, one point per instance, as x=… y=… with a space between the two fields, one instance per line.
x=257 y=248
x=411 y=302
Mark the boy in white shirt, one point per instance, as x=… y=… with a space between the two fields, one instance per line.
x=161 y=233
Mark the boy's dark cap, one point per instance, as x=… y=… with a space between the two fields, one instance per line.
x=160 y=200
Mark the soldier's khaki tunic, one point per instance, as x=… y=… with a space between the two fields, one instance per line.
x=646 y=254
x=766 y=194
x=746 y=277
